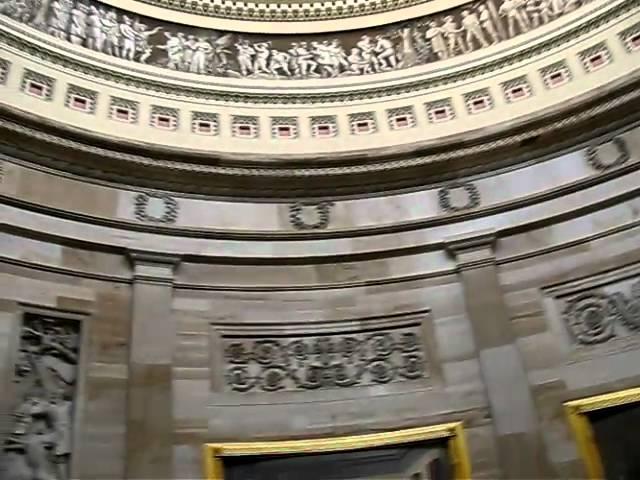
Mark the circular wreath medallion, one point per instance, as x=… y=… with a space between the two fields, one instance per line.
x=591 y=318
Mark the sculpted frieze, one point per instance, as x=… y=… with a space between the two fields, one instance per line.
x=39 y=441
x=432 y=38
x=310 y=362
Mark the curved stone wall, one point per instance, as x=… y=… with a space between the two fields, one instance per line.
x=476 y=285
x=188 y=257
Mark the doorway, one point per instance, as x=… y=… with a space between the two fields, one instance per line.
x=428 y=453
x=605 y=427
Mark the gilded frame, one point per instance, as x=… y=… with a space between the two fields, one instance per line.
x=577 y=411
x=214 y=452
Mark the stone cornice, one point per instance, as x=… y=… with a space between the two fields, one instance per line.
x=179 y=171
x=407 y=226
x=39 y=266
x=418 y=249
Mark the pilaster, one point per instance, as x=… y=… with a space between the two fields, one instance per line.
x=150 y=396
x=521 y=450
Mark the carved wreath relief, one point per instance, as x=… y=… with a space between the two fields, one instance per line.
x=602 y=164
x=310 y=216
x=39 y=444
x=448 y=205
x=476 y=25
x=155 y=207
x=328 y=361
x=596 y=316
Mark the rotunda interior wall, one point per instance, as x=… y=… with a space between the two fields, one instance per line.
x=528 y=193
x=208 y=319
x=276 y=301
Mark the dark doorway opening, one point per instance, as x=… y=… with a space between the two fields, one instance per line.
x=616 y=435
x=412 y=461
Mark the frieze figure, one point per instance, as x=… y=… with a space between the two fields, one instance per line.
x=471 y=23
x=515 y=15
x=441 y=36
x=487 y=23
x=436 y=36
x=78 y=25
x=111 y=34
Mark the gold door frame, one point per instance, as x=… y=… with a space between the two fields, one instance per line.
x=577 y=411
x=454 y=432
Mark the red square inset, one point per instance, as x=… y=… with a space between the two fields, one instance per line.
x=324 y=130
x=36 y=89
x=557 y=78
x=79 y=103
x=204 y=127
x=284 y=131
x=401 y=121
x=123 y=114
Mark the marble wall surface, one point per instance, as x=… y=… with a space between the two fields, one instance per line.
x=483 y=320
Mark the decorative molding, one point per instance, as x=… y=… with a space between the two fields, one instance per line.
x=596 y=162
x=363 y=119
x=324 y=126
x=321 y=211
x=597 y=316
x=47 y=84
x=517 y=89
x=483 y=96
x=166 y=118
x=133 y=107
x=401 y=117
x=284 y=127
x=90 y=96
x=630 y=37
x=45 y=384
x=161 y=86
x=448 y=206
x=309 y=362
x=209 y=120
x=555 y=75
x=605 y=104
x=169 y=209
x=601 y=52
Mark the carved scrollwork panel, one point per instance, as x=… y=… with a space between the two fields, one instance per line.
x=310 y=362
x=597 y=316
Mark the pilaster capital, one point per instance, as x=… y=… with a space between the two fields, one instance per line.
x=472 y=249
x=153 y=267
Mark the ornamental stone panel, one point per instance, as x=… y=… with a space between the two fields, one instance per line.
x=335 y=360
